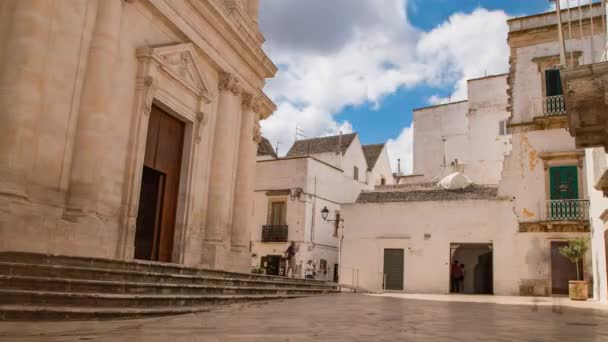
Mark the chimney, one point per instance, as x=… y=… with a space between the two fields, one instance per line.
x=399 y=166
x=339 y=144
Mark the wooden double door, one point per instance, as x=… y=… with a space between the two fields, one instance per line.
x=159 y=188
x=562 y=269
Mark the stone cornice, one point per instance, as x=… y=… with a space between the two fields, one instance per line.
x=555 y=227
x=235 y=33
x=267 y=107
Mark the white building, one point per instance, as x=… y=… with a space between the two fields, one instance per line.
x=507 y=232
x=467 y=136
x=291 y=192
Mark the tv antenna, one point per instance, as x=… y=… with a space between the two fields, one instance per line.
x=300 y=133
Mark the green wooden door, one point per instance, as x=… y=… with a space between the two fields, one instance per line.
x=393 y=269
x=563 y=182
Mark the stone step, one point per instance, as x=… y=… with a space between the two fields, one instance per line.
x=10 y=282
x=105 y=300
x=68 y=313
x=72 y=272
x=136 y=265
x=48 y=287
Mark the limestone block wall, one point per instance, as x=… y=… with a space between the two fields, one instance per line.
x=79 y=83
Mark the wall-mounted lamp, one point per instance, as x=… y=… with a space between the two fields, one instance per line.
x=325 y=213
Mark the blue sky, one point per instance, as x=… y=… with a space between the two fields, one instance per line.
x=395 y=111
x=364 y=65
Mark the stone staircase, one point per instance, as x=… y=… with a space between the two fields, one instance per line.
x=52 y=287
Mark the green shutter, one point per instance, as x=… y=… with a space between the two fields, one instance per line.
x=563 y=182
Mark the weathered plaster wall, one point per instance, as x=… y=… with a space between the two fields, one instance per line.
x=597 y=159
x=524 y=176
x=322 y=186
x=381 y=170
x=373 y=227
x=433 y=125
x=519 y=259
x=464 y=136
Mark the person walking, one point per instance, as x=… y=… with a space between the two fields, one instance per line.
x=290 y=254
x=461 y=283
x=455 y=276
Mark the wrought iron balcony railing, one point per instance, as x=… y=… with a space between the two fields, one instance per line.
x=568 y=210
x=271 y=233
x=554 y=105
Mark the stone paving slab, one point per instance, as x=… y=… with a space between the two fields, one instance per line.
x=344 y=317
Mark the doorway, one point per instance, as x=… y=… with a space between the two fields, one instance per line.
x=393 y=269
x=476 y=264
x=562 y=269
x=159 y=188
x=274 y=265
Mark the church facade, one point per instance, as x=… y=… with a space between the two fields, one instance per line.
x=130 y=128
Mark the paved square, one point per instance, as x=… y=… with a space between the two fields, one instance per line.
x=344 y=317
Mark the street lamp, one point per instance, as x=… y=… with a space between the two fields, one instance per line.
x=325 y=213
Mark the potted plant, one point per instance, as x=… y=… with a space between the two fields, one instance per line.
x=575 y=251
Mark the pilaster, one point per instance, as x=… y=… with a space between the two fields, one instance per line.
x=245 y=183
x=21 y=93
x=94 y=129
x=216 y=245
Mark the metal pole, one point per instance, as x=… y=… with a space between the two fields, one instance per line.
x=580 y=24
x=560 y=31
x=604 y=20
x=592 y=31
x=570 y=35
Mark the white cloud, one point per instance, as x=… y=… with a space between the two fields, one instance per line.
x=350 y=62
x=401 y=148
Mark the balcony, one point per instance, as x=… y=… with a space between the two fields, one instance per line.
x=271 y=233
x=586 y=96
x=554 y=105
x=568 y=210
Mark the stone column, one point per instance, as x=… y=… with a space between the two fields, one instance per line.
x=222 y=176
x=21 y=92
x=94 y=130
x=245 y=185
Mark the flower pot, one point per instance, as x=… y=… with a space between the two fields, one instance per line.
x=578 y=290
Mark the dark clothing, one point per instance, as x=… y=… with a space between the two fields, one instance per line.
x=456 y=277
x=455 y=285
x=291 y=251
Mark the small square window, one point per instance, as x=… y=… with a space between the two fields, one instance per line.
x=356 y=173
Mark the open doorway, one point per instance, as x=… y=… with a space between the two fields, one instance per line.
x=476 y=263
x=155 y=227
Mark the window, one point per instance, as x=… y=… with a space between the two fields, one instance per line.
x=356 y=173
x=383 y=181
x=502 y=127
x=553 y=82
x=277 y=213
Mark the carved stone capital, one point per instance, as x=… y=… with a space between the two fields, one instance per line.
x=229 y=82
x=257 y=133
x=148 y=86
x=251 y=102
